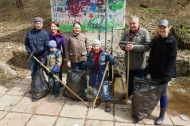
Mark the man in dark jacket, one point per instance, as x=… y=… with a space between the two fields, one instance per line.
x=36 y=42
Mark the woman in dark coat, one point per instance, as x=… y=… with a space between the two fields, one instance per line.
x=162 y=62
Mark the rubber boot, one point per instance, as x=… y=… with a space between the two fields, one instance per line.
x=163 y=105
x=98 y=102
x=160 y=119
x=108 y=108
x=51 y=83
x=56 y=89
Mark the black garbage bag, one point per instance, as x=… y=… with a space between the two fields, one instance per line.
x=146 y=95
x=75 y=81
x=39 y=86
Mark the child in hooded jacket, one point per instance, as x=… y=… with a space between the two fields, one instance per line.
x=96 y=61
x=53 y=62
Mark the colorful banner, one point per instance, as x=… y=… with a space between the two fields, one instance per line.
x=90 y=13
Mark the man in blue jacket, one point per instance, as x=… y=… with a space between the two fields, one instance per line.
x=36 y=42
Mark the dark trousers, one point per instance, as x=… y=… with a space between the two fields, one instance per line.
x=132 y=74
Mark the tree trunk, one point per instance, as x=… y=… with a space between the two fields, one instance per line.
x=19 y=3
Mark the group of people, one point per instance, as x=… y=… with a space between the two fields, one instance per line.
x=54 y=49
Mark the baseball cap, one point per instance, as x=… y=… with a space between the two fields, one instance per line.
x=164 y=23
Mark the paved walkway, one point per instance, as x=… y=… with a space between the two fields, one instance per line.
x=17 y=109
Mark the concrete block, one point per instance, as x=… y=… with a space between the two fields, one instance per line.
x=99 y=123
x=50 y=107
x=7 y=102
x=27 y=81
x=19 y=90
x=74 y=109
x=38 y=120
x=70 y=122
x=26 y=105
x=15 y=119
x=100 y=113
x=118 y=89
x=2 y=114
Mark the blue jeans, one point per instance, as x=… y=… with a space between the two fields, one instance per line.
x=33 y=67
x=80 y=66
x=105 y=91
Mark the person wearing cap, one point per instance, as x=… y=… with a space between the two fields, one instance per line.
x=36 y=43
x=53 y=62
x=57 y=35
x=162 y=62
x=96 y=61
x=137 y=43
x=77 y=47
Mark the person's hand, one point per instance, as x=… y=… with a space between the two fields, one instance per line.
x=129 y=47
x=110 y=58
x=91 y=55
x=51 y=73
x=29 y=53
x=69 y=64
x=59 y=64
x=43 y=61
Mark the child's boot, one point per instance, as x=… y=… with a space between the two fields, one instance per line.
x=98 y=102
x=108 y=108
x=56 y=89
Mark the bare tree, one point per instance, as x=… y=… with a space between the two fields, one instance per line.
x=19 y=3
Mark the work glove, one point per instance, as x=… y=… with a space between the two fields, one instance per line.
x=51 y=73
x=29 y=53
x=91 y=55
x=161 y=82
x=110 y=58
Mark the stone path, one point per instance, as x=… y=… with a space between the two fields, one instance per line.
x=17 y=109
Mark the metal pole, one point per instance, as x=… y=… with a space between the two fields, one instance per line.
x=106 y=22
x=112 y=53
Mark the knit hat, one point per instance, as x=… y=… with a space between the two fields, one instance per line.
x=164 y=23
x=96 y=42
x=38 y=19
x=52 y=44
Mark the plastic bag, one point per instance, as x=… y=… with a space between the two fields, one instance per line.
x=146 y=95
x=75 y=81
x=39 y=86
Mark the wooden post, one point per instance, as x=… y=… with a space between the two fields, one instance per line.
x=127 y=79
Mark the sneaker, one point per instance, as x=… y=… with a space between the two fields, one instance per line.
x=56 y=95
x=86 y=91
x=108 y=107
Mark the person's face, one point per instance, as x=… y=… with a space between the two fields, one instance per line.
x=134 y=25
x=163 y=31
x=54 y=28
x=52 y=49
x=38 y=25
x=96 y=48
x=77 y=28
